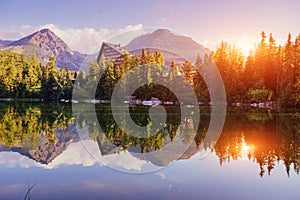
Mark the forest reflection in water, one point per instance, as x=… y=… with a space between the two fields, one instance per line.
x=43 y=131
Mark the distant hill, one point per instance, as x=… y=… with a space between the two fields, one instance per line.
x=45 y=43
x=5 y=42
x=182 y=46
x=168 y=56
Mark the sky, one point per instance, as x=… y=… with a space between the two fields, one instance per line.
x=84 y=23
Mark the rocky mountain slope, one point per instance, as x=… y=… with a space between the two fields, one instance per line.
x=165 y=40
x=45 y=43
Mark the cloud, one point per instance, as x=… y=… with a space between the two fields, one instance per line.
x=124 y=35
x=85 y=40
x=13 y=33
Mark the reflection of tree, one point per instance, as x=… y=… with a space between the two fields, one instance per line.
x=27 y=122
x=202 y=129
x=16 y=127
x=290 y=146
x=257 y=136
x=140 y=116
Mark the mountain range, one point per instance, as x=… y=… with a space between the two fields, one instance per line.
x=170 y=44
x=5 y=43
x=45 y=43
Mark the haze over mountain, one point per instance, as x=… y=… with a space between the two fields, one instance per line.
x=45 y=43
x=5 y=42
x=164 y=39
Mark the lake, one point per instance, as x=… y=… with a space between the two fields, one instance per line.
x=57 y=152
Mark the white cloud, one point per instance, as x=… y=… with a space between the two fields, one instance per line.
x=13 y=33
x=125 y=35
x=130 y=28
x=85 y=40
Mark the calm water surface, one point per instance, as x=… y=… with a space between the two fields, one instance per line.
x=255 y=157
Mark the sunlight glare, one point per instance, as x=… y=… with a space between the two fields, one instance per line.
x=245 y=44
x=246 y=149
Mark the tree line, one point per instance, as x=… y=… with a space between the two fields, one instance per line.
x=25 y=77
x=111 y=74
x=270 y=73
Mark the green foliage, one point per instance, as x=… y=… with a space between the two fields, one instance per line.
x=259 y=95
x=140 y=116
x=24 y=77
x=19 y=75
x=230 y=61
x=113 y=73
x=22 y=123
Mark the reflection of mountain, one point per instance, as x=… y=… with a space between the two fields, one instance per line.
x=106 y=147
x=42 y=150
x=161 y=149
x=38 y=132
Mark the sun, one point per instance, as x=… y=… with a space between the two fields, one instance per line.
x=245 y=44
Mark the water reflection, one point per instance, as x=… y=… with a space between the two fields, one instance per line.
x=141 y=117
x=168 y=144
x=38 y=131
x=263 y=137
x=42 y=132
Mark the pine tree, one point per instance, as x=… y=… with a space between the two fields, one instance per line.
x=143 y=57
x=229 y=61
x=270 y=77
x=49 y=80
